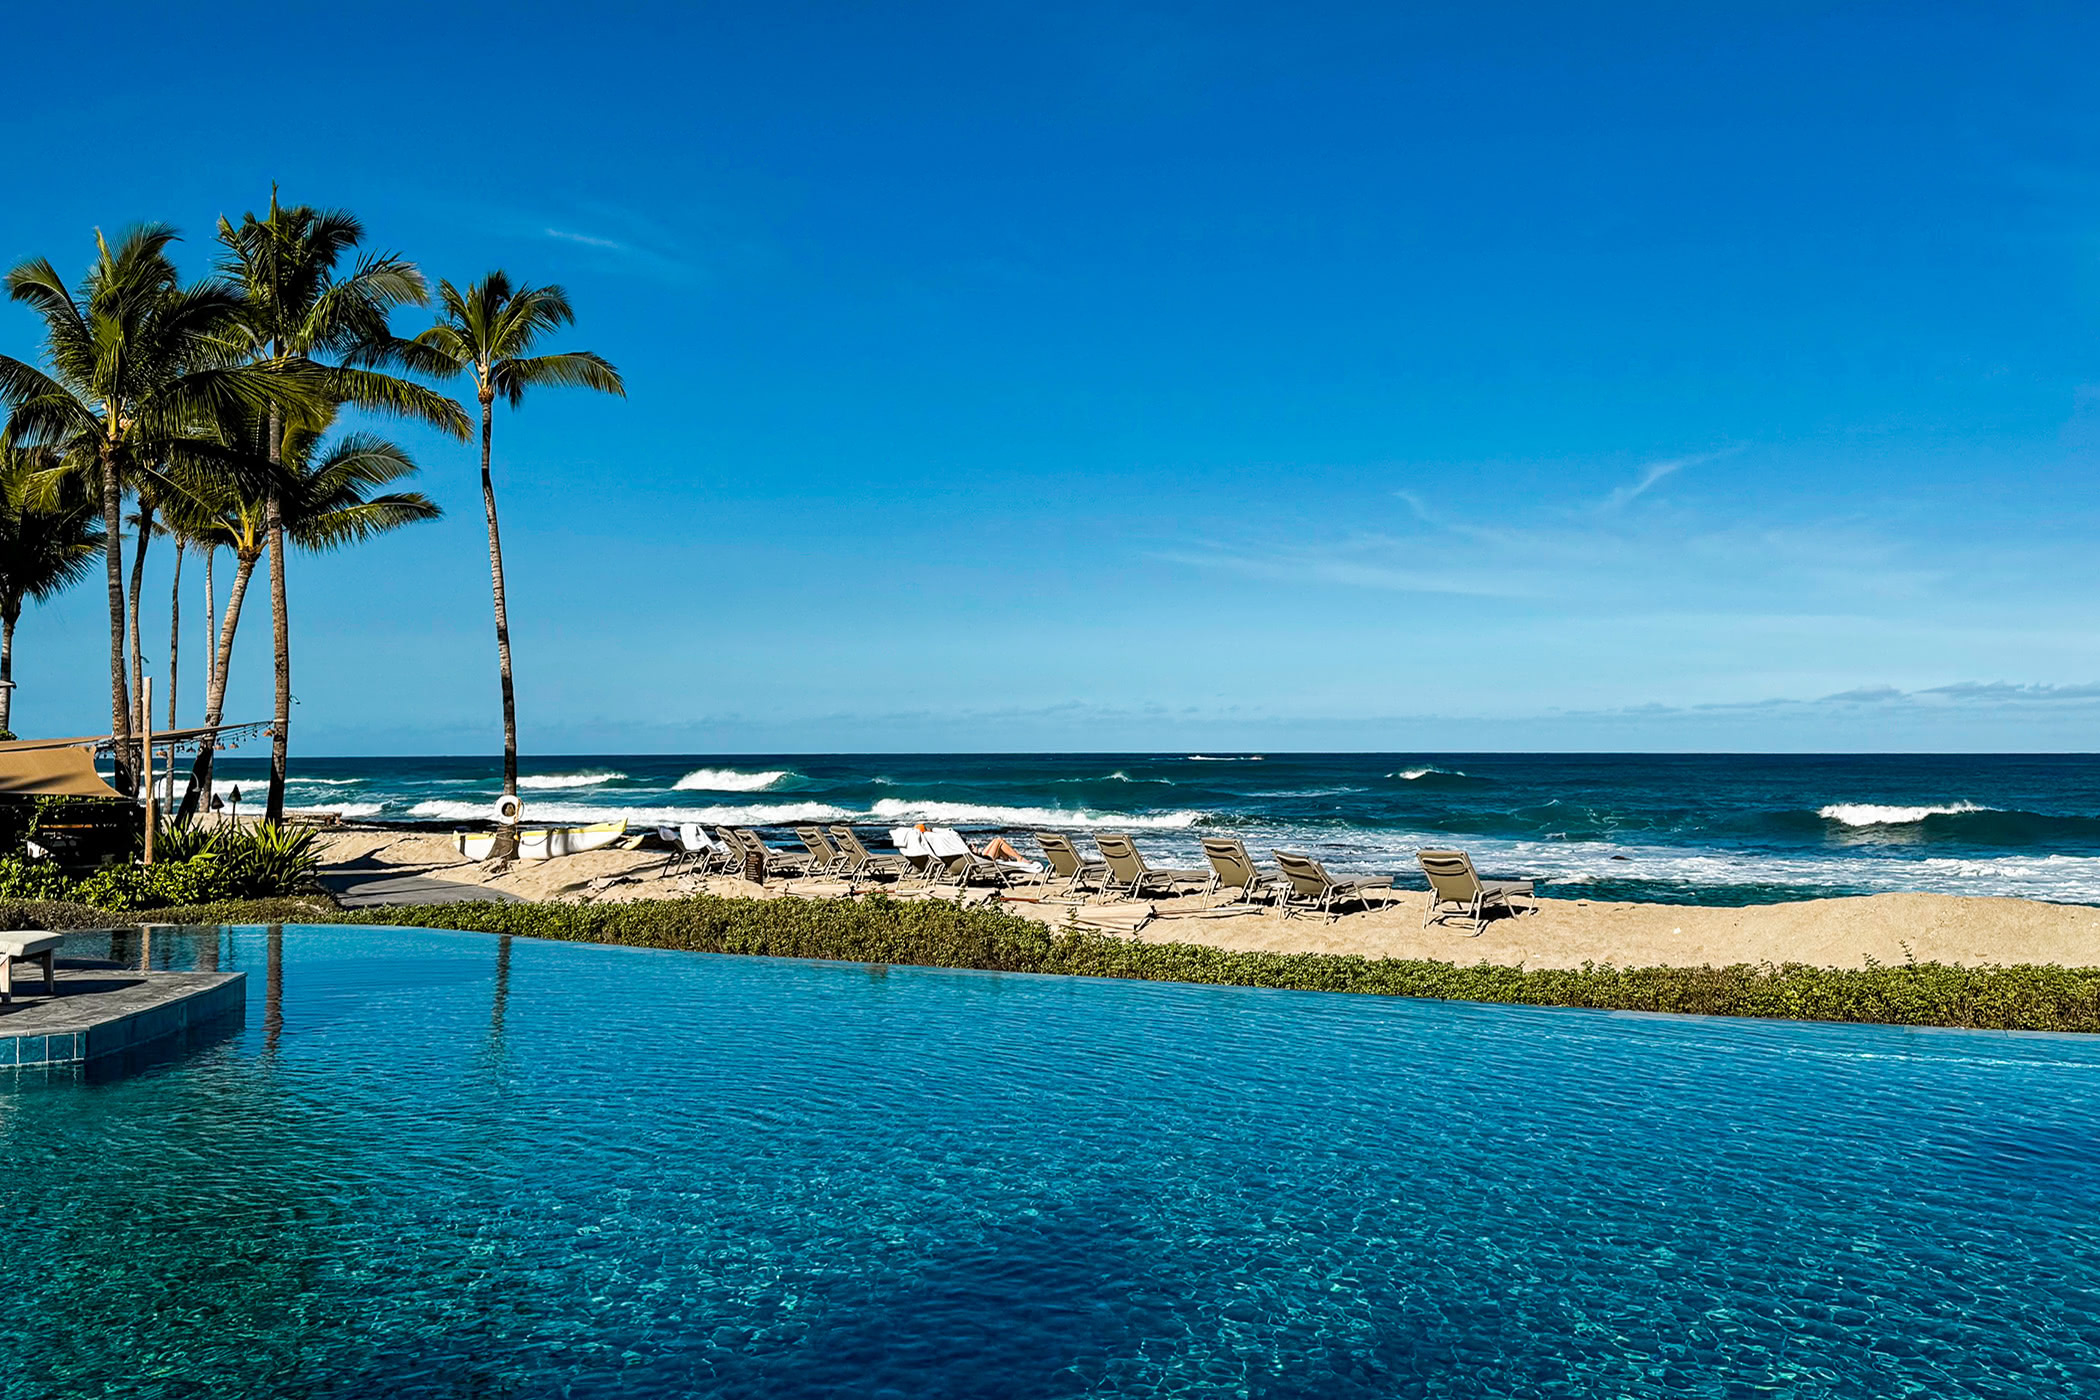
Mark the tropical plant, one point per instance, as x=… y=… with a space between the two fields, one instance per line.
x=489 y=332
x=183 y=839
x=136 y=361
x=301 y=312
x=49 y=535
x=259 y=861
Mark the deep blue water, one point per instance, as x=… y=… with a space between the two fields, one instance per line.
x=438 y=1164
x=1720 y=829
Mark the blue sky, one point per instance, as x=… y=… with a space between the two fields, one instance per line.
x=1131 y=377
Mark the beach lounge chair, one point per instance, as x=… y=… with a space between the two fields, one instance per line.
x=860 y=862
x=1128 y=872
x=1231 y=868
x=1065 y=862
x=1318 y=890
x=778 y=858
x=729 y=850
x=824 y=858
x=697 y=850
x=953 y=859
x=1456 y=891
x=777 y=862
x=912 y=846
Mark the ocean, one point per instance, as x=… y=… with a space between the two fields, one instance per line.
x=1725 y=829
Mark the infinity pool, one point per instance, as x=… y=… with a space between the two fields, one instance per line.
x=440 y=1164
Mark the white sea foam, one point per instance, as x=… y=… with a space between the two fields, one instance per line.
x=761 y=814
x=1871 y=814
x=353 y=810
x=1416 y=774
x=1228 y=758
x=558 y=781
x=728 y=780
x=891 y=809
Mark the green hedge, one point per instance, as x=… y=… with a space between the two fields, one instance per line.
x=936 y=934
x=65 y=915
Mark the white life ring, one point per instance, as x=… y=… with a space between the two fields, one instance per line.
x=508 y=809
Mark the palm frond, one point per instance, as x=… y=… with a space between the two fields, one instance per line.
x=357 y=523
x=578 y=369
x=384 y=393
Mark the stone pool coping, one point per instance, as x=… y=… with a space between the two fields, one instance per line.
x=100 y=1011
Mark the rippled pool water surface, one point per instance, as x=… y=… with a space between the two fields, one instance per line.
x=455 y=1165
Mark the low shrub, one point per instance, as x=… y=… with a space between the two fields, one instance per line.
x=202 y=867
x=22 y=877
x=935 y=934
x=257 y=862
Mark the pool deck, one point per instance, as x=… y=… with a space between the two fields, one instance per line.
x=99 y=1011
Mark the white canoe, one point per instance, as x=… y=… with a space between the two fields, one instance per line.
x=543 y=842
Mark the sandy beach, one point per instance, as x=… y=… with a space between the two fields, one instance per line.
x=1887 y=928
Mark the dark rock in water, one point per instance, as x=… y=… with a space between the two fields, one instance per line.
x=1622 y=857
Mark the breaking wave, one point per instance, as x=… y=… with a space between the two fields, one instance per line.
x=353 y=810
x=972 y=814
x=1873 y=814
x=540 y=813
x=728 y=780
x=539 y=782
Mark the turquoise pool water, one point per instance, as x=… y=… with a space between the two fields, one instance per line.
x=441 y=1164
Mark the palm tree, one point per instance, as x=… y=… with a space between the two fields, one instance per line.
x=490 y=331
x=323 y=504
x=300 y=311
x=136 y=359
x=209 y=506
x=143 y=528
x=48 y=539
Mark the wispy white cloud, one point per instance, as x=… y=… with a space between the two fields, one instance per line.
x=1655 y=473
x=588 y=240
x=1349 y=566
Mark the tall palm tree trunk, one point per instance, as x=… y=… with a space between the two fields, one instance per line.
x=510 y=699
x=174 y=667
x=280 y=628
x=281 y=636
x=125 y=777
x=174 y=631
x=211 y=603
x=10 y=614
x=194 y=801
x=138 y=583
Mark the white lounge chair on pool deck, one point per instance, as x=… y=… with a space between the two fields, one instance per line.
x=27 y=945
x=1457 y=892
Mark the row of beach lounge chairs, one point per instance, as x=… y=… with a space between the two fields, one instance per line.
x=1298 y=884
